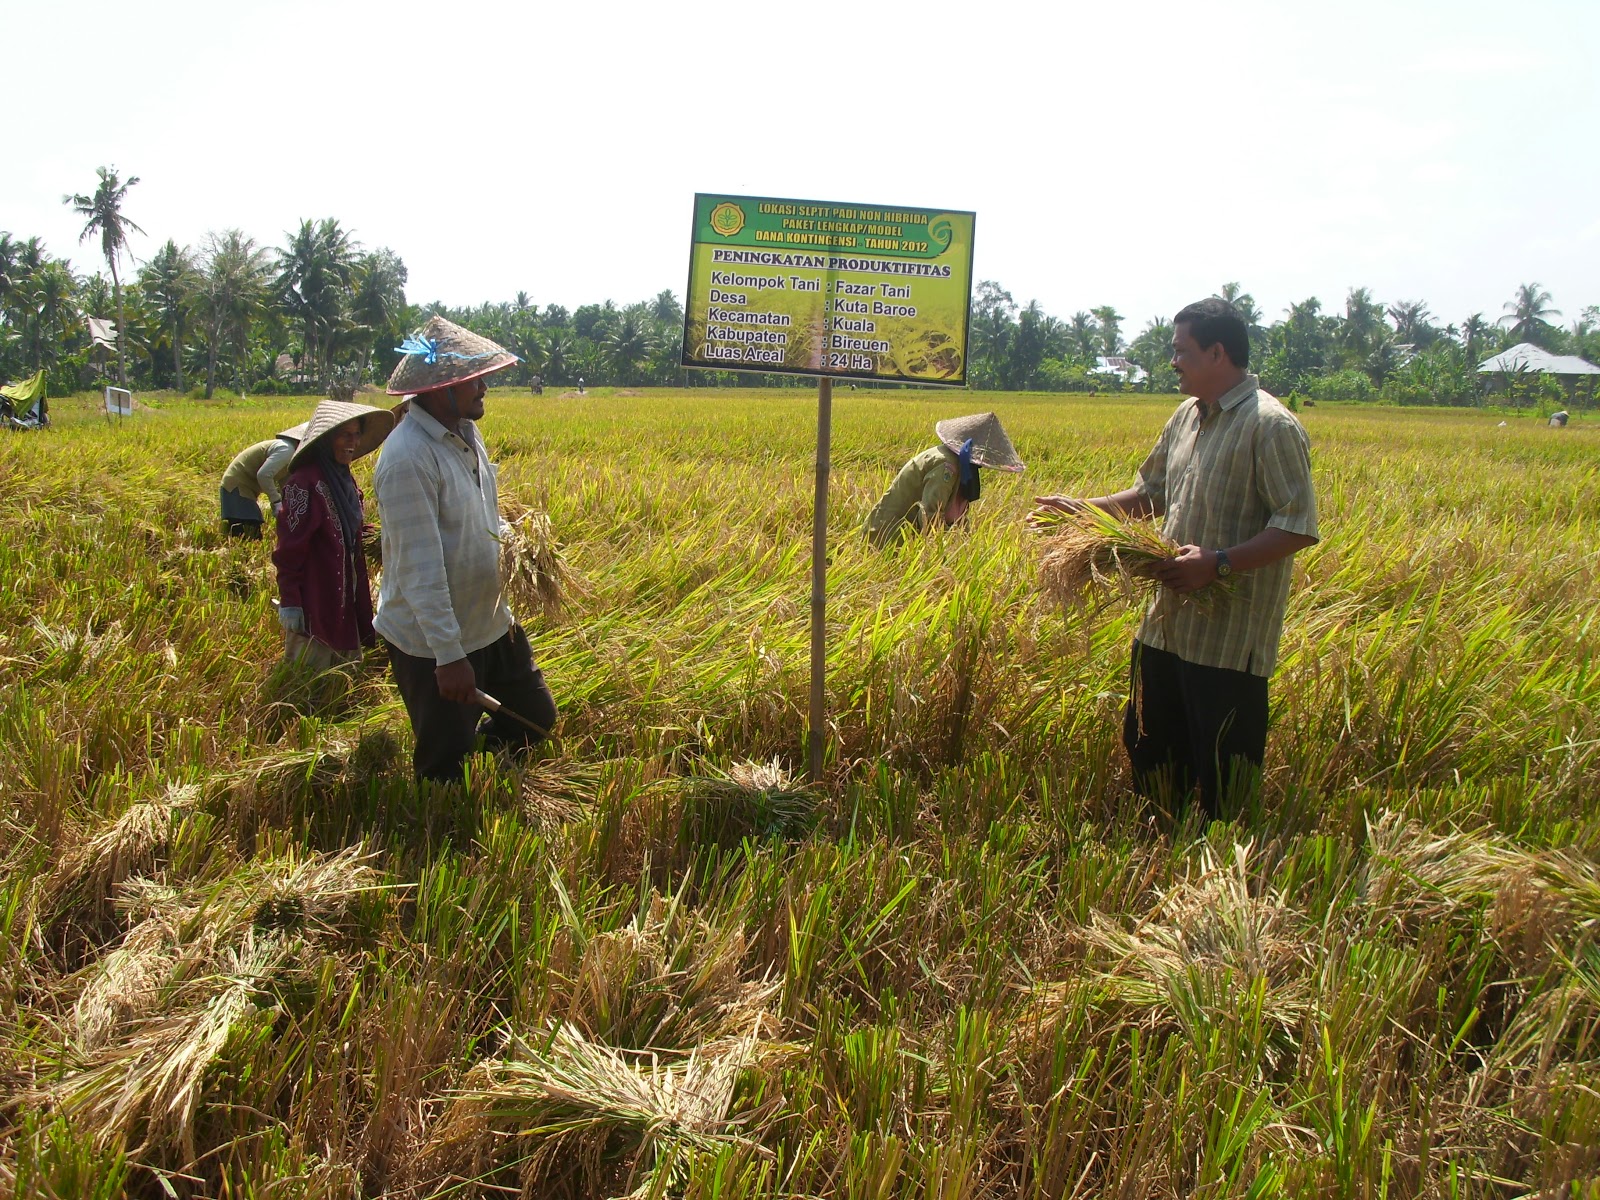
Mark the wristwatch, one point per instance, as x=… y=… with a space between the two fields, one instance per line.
x=1224 y=567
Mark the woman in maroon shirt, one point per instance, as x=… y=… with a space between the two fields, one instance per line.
x=324 y=595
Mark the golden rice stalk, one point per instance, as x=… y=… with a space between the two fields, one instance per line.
x=1090 y=550
x=580 y=1100
x=1208 y=933
x=151 y=1082
x=91 y=869
x=178 y=935
x=750 y=799
x=532 y=570
x=558 y=790
x=1422 y=877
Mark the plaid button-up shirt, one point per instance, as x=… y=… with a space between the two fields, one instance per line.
x=440 y=597
x=1219 y=482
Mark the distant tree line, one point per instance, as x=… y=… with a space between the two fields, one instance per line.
x=320 y=312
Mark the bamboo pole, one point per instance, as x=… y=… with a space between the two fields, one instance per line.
x=819 y=582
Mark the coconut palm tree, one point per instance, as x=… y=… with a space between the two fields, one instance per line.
x=665 y=309
x=232 y=297
x=105 y=218
x=1528 y=313
x=1244 y=304
x=628 y=344
x=1361 y=331
x=50 y=312
x=558 y=344
x=1084 y=337
x=316 y=271
x=1152 y=350
x=1109 y=322
x=1473 y=332
x=379 y=303
x=170 y=282
x=1410 y=319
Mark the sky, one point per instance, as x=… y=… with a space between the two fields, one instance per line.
x=1137 y=154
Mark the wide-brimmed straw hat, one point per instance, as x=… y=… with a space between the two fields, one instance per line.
x=375 y=426
x=990 y=445
x=295 y=433
x=444 y=353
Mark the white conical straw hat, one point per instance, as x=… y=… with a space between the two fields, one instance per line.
x=375 y=426
x=990 y=445
x=444 y=353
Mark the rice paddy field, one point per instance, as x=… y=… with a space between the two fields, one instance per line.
x=241 y=955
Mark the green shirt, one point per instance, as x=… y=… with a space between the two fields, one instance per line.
x=1219 y=482
x=258 y=469
x=918 y=494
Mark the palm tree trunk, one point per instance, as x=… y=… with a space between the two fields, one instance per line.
x=177 y=355
x=211 y=363
x=116 y=288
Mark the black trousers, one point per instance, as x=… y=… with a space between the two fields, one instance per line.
x=446 y=732
x=1188 y=725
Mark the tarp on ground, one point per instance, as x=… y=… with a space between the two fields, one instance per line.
x=24 y=393
x=1525 y=356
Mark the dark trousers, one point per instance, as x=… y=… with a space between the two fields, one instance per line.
x=1186 y=724
x=446 y=732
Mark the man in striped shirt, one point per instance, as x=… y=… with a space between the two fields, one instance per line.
x=441 y=609
x=1231 y=477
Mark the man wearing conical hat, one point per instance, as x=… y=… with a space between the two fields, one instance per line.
x=936 y=486
x=441 y=608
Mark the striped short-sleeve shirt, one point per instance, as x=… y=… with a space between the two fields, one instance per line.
x=1219 y=480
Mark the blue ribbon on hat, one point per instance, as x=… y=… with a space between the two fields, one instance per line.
x=428 y=350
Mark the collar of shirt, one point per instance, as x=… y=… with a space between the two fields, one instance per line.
x=464 y=441
x=1235 y=395
x=437 y=431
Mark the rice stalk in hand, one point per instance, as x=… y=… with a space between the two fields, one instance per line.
x=532 y=570
x=1090 y=550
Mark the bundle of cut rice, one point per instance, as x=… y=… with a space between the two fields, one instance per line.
x=1090 y=550
x=532 y=570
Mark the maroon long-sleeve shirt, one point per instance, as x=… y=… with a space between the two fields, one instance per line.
x=317 y=572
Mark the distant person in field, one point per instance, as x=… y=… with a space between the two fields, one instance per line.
x=538 y=385
x=580 y=385
x=324 y=594
x=1231 y=477
x=441 y=610
x=935 y=487
x=254 y=471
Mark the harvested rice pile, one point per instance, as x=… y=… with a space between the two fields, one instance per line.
x=531 y=567
x=1092 y=551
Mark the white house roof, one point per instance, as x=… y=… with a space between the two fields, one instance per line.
x=1118 y=365
x=1525 y=356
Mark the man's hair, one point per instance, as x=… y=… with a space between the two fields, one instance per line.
x=1215 y=320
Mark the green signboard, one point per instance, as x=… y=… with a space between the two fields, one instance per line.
x=810 y=287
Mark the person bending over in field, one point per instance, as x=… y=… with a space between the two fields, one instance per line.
x=256 y=470
x=324 y=596
x=936 y=486
x=1231 y=476
x=441 y=609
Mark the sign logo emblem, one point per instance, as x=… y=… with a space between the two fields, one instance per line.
x=727 y=219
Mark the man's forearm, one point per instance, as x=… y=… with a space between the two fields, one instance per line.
x=1266 y=548
x=1130 y=503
